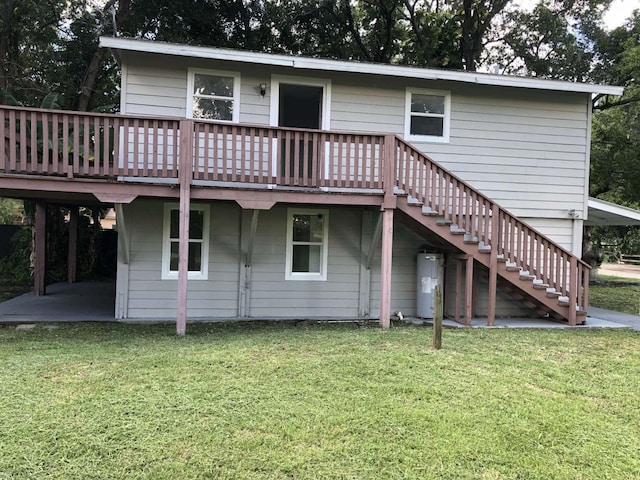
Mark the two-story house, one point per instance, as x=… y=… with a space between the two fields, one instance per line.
x=251 y=185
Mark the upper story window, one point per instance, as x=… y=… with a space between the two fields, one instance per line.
x=213 y=95
x=427 y=115
x=198 y=256
x=307 y=235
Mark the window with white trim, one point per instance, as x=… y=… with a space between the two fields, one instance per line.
x=198 y=257
x=213 y=95
x=307 y=244
x=427 y=115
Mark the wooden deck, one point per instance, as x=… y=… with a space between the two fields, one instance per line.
x=115 y=158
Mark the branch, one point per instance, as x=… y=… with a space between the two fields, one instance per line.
x=608 y=105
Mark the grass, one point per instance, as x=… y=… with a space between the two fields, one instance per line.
x=616 y=293
x=307 y=401
x=10 y=288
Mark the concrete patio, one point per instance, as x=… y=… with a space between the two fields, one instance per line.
x=94 y=302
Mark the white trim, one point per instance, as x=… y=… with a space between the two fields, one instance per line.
x=167 y=274
x=214 y=73
x=446 y=122
x=325 y=83
x=324 y=251
x=602 y=212
x=124 y=81
x=241 y=56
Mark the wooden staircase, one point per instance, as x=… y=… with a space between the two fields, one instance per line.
x=519 y=260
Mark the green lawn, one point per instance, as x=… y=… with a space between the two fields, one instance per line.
x=308 y=401
x=615 y=293
x=9 y=288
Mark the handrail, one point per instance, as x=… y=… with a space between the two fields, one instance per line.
x=81 y=144
x=520 y=244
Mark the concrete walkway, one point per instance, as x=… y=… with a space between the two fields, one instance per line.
x=94 y=302
x=64 y=302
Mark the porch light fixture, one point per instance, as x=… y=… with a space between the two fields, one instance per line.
x=263 y=89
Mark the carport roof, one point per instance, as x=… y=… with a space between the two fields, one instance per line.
x=607 y=213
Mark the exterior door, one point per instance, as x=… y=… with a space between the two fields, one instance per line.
x=299 y=106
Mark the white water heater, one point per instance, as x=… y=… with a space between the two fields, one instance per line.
x=430 y=272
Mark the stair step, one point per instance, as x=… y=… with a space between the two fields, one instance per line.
x=426 y=211
x=470 y=239
x=484 y=248
x=443 y=221
x=414 y=202
x=563 y=301
x=525 y=275
x=513 y=267
x=538 y=285
x=501 y=258
x=456 y=230
x=551 y=293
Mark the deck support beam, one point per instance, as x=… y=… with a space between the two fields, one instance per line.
x=388 y=206
x=467 y=261
x=40 y=246
x=122 y=273
x=246 y=264
x=375 y=239
x=386 y=268
x=186 y=177
x=72 y=258
x=493 y=265
x=468 y=291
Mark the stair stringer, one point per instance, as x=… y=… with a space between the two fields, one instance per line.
x=513 y=277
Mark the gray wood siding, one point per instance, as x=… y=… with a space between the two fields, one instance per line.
x=154 y=88
x=272 y=295
x=151 y=297
x=525 y=149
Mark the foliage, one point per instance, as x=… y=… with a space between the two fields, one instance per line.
x=11 y=211
x=612 y=295
x=274 y=400
x=17 y=267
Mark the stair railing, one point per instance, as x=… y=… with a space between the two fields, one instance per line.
x=520 y=244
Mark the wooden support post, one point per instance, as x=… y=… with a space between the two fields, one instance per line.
x=40 y=241
x=496 y=238
x=72 y=260
x=389 y=204
x=573 y=290
x=458 y=288
x=246 y=262
x=366 y=240
x=438 y=315
x=186 y=175
x=468 y=292
x=386 y=267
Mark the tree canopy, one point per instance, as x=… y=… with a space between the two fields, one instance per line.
x=52 y=46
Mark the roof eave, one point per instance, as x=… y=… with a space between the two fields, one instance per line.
x=146 y=46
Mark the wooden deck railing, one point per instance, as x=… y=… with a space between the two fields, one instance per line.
x=75 y=144
x=519 y=243
x=113 y=147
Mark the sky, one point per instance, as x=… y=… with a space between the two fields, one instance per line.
x=620 y=10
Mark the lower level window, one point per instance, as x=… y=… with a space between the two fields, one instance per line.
x=307 y=234
x=197 y=258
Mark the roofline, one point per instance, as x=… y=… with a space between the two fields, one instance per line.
x=213 y=53
x=614 y=209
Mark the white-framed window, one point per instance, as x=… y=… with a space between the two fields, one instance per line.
x=427 y=115
x=198 y=258
x=307 y=244
x=213 y=95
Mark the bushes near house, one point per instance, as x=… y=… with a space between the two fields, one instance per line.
x=308 y=401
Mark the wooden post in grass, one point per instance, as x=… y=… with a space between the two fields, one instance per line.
x=438 y=313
